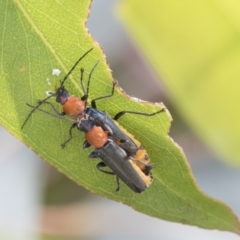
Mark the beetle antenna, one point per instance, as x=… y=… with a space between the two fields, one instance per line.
x=51 y=114
x=36 y=107
x=90 y=75
x=65 y=78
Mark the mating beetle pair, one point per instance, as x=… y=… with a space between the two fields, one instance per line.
x=118 y=150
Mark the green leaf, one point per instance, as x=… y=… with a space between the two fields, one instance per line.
x=194 y=46
x=38 y=37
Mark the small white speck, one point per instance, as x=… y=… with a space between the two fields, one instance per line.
x=136 y=99
x=49 y=93
x=56 y=72
x=48 y=81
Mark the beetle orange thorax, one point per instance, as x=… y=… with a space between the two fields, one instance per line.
x=96 y=137
x=74 y=106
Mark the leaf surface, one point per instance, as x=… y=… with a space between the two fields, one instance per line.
x=38 y=37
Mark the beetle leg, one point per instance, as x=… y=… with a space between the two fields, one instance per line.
x=120 y=114
x=148 y=166
x=70 y=135
x=53 y=107
x=101 y=165
x=93 y=155
x=118 y=185
x=93 y=102
x=86 y=144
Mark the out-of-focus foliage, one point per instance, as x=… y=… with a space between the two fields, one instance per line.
x=194 y=46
